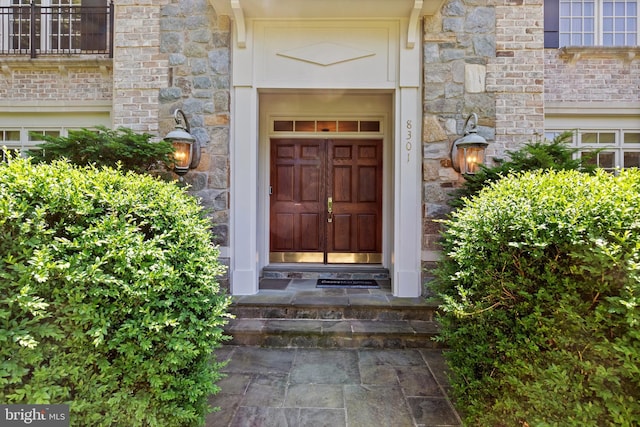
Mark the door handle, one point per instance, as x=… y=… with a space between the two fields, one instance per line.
x=330 y=209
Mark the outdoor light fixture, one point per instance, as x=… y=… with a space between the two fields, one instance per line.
x=467 y=153
x=187 y=150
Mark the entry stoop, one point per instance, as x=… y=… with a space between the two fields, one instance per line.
x=293 y=313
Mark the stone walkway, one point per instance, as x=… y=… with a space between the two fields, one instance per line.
x=298 y=387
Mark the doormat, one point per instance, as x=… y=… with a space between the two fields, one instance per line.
x=348 y=283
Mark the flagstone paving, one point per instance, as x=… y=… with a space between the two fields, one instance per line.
x=315 y=387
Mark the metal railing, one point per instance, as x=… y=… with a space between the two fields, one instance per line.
x=56 y=30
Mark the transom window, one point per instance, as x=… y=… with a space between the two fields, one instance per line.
x=616 y=148
x=330 y=125
x=598 y=23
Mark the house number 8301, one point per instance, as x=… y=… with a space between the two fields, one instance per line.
x=409 y=136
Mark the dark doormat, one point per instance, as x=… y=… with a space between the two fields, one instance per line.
x=348 y=283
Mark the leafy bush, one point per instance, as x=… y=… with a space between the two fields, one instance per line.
x=108 y=296
x=541 y=293
x=105 y=147
x=556 y=154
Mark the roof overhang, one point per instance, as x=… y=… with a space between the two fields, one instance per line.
x=241 y=10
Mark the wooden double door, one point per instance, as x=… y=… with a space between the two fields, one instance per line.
x=326 y=200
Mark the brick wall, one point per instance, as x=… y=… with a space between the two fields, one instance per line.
x=516 y=74
x=47 y=80
x=593 y=77
x=140 y=68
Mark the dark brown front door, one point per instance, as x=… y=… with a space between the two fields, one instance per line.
x=326 y=201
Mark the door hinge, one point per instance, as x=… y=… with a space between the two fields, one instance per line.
x=270 y=190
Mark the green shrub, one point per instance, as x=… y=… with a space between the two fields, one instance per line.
x=556 y=154
x=105 y=147
x=108 y=296
x=541 y=290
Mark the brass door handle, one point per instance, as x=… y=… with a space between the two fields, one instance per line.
x=330 y=209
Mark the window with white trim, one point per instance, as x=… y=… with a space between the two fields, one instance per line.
x=615 y=148
x=591 y=23
x=22 y=139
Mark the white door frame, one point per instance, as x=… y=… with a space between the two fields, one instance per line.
x=402 y=79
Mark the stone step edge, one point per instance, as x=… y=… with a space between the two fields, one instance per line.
x=303 y=333
x=332 y=326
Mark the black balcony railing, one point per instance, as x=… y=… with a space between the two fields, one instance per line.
x=56 y=30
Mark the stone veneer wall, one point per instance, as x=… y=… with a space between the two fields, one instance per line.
x=196 y=43
x=481 y=56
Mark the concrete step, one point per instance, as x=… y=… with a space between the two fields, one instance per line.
x=330 y=333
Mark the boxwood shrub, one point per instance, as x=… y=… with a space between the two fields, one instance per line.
x=108 y=296
x=540 y=288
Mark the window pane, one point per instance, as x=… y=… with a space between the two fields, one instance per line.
x=607 y=138
x=348 y=126
x=589 y=138
x=606 y=160
x=576 y=9
x=370 y=126
x=576 y=40
x=607 y=24
x=589 y=40
x=631 y=160
x=632 y=138
x=631 y=24
x=619 y=8
x=283 y=125
x=305 y=126
x=565 y=8
x=588 y=25
x=326 y=126
x=588 y=158
x=576 y=25
x=631 y=39
x=607 y=39
x=632 y=8
x=607 y=8
x=565 y=25
x=619 y=40
x=589 y=9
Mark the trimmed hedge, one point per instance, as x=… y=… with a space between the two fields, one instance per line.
x=541 y=292
x=105 y=147
x=109 y=300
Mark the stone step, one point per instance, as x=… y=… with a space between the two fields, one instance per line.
x=323 y=271
x=400 y=311
x=330 y=333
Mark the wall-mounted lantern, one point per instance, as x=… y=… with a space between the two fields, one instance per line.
x=467 y=153
x=187 y=149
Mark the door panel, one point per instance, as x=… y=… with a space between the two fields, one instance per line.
x=297 y=201
x=305 y=174
x=355 y=183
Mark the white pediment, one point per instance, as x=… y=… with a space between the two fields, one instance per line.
x=326 y=53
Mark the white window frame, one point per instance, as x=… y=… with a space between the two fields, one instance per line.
x=26 y=142
x=598 y=33
x=618 y=148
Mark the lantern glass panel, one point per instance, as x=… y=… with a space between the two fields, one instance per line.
x=182 y=154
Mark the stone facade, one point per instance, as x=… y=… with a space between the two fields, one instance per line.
x=196 y=44
x=485 y=58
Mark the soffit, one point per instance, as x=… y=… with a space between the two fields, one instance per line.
x=322 y=9
x=242 y=10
